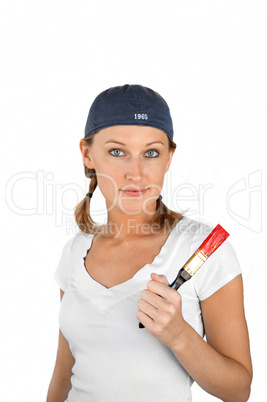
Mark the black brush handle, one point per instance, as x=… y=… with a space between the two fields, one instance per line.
x=181 y=278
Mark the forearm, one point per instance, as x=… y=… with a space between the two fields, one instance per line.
x=58 y=391
x=217 y=374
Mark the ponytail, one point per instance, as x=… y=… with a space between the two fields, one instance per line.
x=82 y=210
x=165 y=217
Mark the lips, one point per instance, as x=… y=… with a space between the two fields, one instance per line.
x=133 y=188
x=134 y=191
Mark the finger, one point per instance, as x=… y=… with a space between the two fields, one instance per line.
x=153 y=299
x=160 y=289
x=144 y=319
x=159 y=278
x=148 y=309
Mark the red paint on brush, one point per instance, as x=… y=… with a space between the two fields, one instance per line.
x=213 y=241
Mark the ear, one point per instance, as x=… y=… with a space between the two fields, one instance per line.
x=86 y=154
x=171 y=153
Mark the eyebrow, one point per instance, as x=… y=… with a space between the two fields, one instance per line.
x=121 y=143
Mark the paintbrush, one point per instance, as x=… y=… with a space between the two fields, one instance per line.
x=209 y=245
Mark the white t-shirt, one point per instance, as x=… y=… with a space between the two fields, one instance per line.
x=115 y=360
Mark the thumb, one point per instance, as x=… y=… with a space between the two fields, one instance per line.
x=159 y=278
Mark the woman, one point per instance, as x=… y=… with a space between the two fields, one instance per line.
x=113 y=275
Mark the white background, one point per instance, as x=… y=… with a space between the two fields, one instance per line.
x=208 y=60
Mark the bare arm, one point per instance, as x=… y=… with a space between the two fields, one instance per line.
x=60 y=382
x=222 y=365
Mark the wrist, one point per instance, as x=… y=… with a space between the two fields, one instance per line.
x=182 y=341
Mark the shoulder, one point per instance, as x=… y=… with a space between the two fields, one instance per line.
x=220 y=268
x=73 y=247
x=76 y=241
x=70 y=252
x=196 y=232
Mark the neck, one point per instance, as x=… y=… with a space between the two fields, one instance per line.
x=121 y=225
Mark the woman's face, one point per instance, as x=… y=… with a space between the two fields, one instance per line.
x=130 y=164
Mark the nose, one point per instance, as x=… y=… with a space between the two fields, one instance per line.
x=134 y=170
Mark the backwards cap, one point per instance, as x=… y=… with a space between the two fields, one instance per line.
x=129 y=105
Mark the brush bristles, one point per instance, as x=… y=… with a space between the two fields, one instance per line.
x=214 y=240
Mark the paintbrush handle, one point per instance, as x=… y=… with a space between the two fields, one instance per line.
x=181 y=278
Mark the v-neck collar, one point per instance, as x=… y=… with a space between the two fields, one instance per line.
x=102 y=296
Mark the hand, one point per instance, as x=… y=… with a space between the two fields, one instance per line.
x=160 y=310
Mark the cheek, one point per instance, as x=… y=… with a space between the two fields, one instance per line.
x=157 y=172
x=107 y=183
x=108 y=179
x=109 y=175
x=107 y=166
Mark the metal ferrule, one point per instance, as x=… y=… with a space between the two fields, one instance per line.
x=195 y=262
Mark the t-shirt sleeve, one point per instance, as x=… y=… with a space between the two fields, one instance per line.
x=62 y=272
x=219 y=269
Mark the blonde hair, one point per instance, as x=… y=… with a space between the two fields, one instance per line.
x=164 y=217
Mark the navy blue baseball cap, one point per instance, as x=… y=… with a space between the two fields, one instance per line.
x=129 y=105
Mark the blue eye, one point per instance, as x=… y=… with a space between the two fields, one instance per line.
x=116 y=152
x=151 y=153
